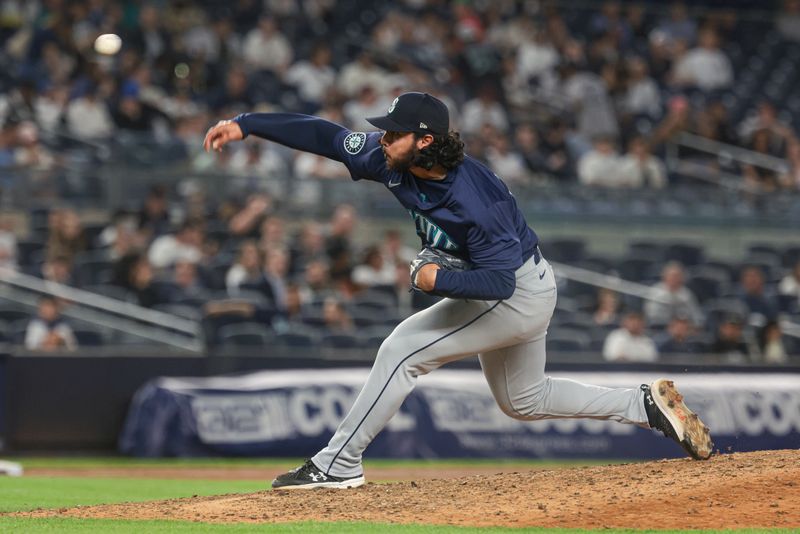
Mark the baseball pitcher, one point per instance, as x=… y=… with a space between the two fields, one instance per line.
x=479 y=253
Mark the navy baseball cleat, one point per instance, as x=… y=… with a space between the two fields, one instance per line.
x=667 y=412
x=309 y=476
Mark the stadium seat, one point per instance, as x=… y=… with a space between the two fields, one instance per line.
x=636 y=270
x=88 y=337
x=11 y=313
x=564 y=250
x=685 y=253
x=569 y=340
x=245 y=334
x=706 y=288
x=340 y=341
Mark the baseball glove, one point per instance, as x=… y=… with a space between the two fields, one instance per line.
x=442 y=259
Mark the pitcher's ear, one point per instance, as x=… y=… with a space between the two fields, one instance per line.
x=424 y=141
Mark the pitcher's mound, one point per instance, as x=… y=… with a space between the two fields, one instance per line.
x=757 y=489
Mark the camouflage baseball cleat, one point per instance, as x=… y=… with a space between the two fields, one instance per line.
x=667 y=412
x=309 y=476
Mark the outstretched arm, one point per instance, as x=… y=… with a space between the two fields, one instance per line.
x=301 y=132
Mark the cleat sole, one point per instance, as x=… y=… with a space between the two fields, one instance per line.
x=693 y=435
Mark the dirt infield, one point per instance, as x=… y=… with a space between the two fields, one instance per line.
x=759 y=489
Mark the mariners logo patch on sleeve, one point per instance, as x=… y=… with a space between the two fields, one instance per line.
x=354 y=142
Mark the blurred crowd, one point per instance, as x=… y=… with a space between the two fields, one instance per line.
x=540 y=92
x=246 y=259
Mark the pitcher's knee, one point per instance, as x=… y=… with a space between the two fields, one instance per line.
x=529 y=404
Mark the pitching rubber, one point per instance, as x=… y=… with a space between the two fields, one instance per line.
x=694 y=435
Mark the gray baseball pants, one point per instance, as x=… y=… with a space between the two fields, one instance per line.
x=509 y=337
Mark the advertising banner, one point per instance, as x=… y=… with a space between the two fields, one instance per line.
x=450 y=414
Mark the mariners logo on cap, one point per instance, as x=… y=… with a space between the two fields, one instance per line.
x=354 y=142
x=394 y=103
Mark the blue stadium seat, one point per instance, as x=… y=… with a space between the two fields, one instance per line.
x=246 y=334
x=685 y=253
x=568 y=339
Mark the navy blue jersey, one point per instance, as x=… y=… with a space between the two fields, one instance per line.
x=470 y=214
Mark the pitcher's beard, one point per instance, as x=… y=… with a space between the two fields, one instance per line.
x=402 y=164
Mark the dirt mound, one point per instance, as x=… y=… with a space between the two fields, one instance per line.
x=759 y=489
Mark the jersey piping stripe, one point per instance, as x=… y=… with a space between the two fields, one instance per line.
x=353 y=433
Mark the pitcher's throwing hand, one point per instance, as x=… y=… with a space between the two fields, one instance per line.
x=221 y=134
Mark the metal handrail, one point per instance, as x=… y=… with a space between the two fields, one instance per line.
x=93 y=300
x=751 y=157
x=614 y=283
x=129 y=326
x=634 y=289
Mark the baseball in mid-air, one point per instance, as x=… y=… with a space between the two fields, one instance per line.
x=108 y=44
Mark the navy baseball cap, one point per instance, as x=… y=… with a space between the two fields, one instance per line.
x=415 y=112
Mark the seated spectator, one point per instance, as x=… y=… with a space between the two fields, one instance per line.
x=294 y=302
x=153 y=216
x=131 y=114
x=276 y=270
x=247 y=221
x=526 y=141
x=679 y=338
x=66 y=237
x=555 y=150
x=316 y=281
x=607 y=310
x=246 y=270
x=678 y=27
x=630 y=343
x=185 y=245
x=705 y=67
x=507 y=162
x=258 y=159
x=308 y=246
x=790 y=178
x=8 y=245
x=730 y=344
x=134 y=273
x=714 y=122
x=587 y=96
x=394 y=250
x=752 y=291
x=362 y=72
x=187 y=282
x=674 y=298
x=336 y=318
x=120 y=238
x=485 y=109
x=787 y=21
x=790 y=284
x=272 y=233
x=266 y=48
x=314 y=78
x=339 y=241
x=59 y=270
x=88 y=117
x=368 y=103
x=770 y=343
x=313 y=166
x=765 y=120
x=235 y=95
x=374 y=270
x=48 y=330
x=641 y=97
x=639 y=168
x=601 y=166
